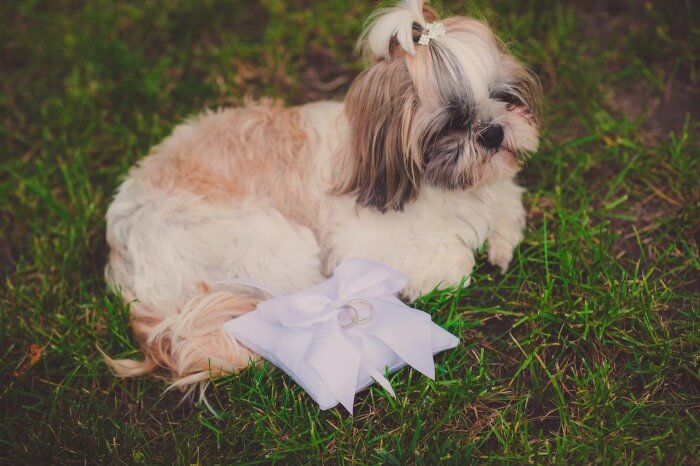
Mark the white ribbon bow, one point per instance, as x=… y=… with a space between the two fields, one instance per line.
x=348 y=315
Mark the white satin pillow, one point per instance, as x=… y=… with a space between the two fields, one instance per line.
x=336 y=338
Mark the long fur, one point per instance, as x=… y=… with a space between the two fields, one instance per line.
x=386 y=171
x=398 y=173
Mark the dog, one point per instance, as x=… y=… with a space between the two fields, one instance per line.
x=414 y=169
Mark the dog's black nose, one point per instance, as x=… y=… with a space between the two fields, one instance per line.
x=491 y=136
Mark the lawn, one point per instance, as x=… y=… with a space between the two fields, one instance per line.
x=587 y=350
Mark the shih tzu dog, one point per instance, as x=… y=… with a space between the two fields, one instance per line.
x=414 y=169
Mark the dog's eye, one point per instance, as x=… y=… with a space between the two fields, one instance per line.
x=511 y=100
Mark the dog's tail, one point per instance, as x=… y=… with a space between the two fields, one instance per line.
x=189 y=347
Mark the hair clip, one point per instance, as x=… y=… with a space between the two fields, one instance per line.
x=435 y=29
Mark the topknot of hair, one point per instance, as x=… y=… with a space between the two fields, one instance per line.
x=391 y=29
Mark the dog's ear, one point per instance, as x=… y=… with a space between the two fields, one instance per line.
x=380 y=107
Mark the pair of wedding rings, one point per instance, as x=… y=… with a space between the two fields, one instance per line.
x=349 y=315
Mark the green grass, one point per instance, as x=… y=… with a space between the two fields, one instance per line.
x=587 y=350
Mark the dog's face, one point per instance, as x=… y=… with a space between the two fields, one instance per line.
x=456 y=113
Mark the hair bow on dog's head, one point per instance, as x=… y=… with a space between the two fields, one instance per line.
x=435 y=29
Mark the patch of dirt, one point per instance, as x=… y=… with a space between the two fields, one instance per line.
x=646 y=213
x=664 y=111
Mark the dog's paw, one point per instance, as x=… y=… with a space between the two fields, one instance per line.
x=443 y=272
x=500 y=252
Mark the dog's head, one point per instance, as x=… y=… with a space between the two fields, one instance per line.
x=443 y=103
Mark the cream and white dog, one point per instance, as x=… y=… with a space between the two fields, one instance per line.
x=414 y=169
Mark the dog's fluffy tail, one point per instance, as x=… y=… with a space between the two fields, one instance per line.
x=189 y=347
